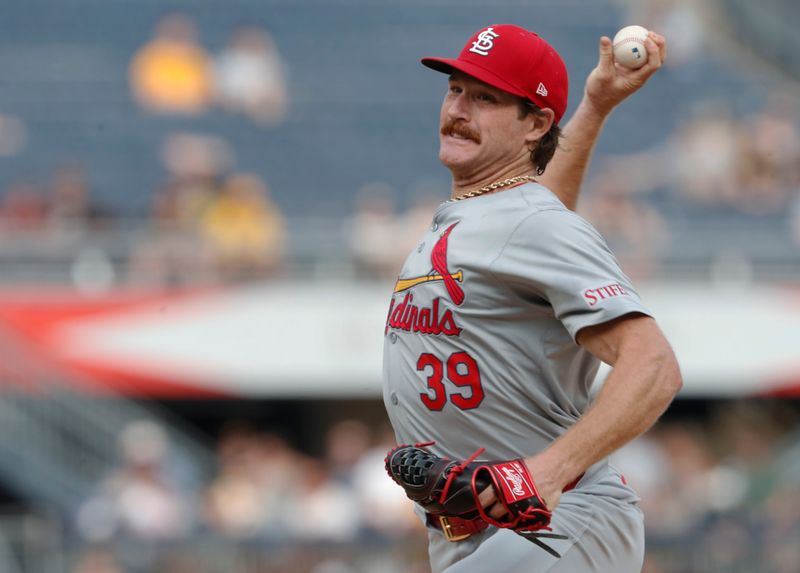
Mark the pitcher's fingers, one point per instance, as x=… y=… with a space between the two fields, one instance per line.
x=654 y=61
x=488 y=500
x=487 y=497
x=661 y=42
x=606 y=55
x=653 y=54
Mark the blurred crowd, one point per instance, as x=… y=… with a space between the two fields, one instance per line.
x=715 y=166
x=263 y=491
x=720 y=161
x=720 y=493
x=174 y=74
x=207 y=223
x=210 y=223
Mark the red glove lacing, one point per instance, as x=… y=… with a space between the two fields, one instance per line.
x=456 y=471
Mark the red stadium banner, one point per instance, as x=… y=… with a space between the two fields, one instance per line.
x=325 y=340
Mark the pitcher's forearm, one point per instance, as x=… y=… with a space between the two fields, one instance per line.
x=634 y=396
x=566 y=171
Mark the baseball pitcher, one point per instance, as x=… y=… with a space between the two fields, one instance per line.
x=499 y=320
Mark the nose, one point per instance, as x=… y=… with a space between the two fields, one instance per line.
x=457 y=107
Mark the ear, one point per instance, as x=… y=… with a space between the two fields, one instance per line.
x=541 y=123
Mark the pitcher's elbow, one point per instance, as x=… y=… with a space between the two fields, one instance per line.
x=667 y=372
x=672 y=377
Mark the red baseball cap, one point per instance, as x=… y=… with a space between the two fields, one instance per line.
x=514 y=60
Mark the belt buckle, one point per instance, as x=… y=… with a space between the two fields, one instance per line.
x=447 y=529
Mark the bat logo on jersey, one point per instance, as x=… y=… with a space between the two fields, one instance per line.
x=439 y=262
x=440 y=272
x=412 y=318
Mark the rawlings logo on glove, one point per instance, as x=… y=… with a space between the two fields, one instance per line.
x=513 y=474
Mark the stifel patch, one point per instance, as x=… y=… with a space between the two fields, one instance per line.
x=593 y=296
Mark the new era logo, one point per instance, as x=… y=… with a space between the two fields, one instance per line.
x=541 y=90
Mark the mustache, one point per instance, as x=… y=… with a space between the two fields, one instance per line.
x=455 y=127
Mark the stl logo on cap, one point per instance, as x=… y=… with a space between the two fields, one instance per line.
x=485 y=42
x=522 y=64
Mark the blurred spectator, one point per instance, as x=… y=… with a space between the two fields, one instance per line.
x=255 y=474
x=196 y=156
x=23 y=209
x=771 y=160
x=250 y=77
x=384 y=508
x=781 y=523
x=345 y=443
x=426 y=195
x=333 y=566
x=696 y=482
x=373 y=232
x=170 y=253
x=673 y=470
x=98 y=561
x=704 y=157
x=173 y=252
x=633 y=229
x=235 y=501
x=794 y=219
x=321 y=508
x=13 y=135
x=172 y=74
x=746 y=452
x=72 y=209
x=244 y=228
x=728 y=545
x=140 y=498
x=646 y=467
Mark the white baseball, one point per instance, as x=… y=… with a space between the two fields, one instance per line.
x=629 y=49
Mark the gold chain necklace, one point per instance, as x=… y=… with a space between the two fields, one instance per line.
x=492 y=187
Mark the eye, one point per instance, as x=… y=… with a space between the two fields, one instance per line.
x=486 y=97
x=453 y=89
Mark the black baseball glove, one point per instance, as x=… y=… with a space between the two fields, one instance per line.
x=452 y=488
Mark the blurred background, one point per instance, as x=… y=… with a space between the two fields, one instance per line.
x=203 y=207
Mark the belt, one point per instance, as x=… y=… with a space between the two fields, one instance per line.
x=458 y=529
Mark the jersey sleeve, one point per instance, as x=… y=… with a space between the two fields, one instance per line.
x=557 y=257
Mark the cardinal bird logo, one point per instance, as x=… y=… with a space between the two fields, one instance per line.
x=440 y=271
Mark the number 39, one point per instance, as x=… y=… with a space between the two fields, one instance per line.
x=462 y=370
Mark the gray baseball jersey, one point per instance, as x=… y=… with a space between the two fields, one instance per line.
x=480 y=351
